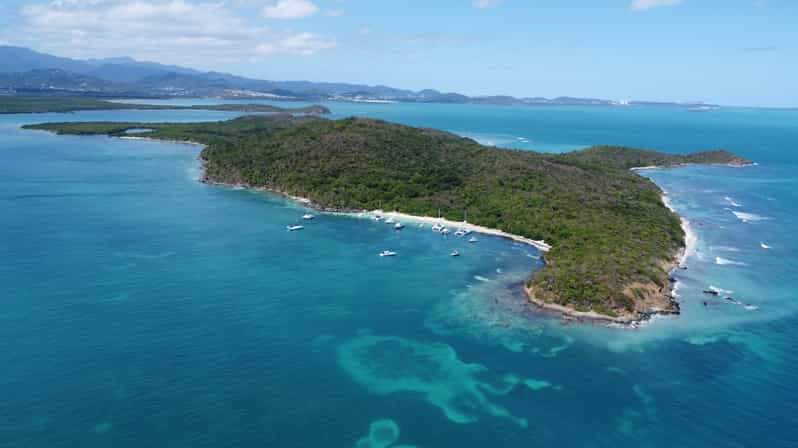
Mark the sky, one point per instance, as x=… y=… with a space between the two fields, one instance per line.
x=733 y=52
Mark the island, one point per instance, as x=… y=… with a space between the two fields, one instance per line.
x=15 y=104
x=613 y=241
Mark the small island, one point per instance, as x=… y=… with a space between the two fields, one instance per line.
x=613 y=240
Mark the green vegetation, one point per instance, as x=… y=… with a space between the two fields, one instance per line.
x=613 y=239
x=11 y=104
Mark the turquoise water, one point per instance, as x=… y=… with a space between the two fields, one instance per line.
x=142 y=308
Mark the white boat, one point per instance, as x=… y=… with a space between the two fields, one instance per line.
x=437 y=227
x=421 y=226
x=377 y=218
x=445 y=231
x=455 y=254
x=307 y=216
x=462 y=232
x=398 y=226
x=389 y=221
x=293 y=228
x=387 y=253
x=473 y=239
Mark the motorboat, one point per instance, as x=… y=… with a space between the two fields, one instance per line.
x=398 y=226
x=389 y=221
x=377 y=218
x=294 y=228
x=387 y=253
x=455 y=253
x=437 y=227
x=473 y=239
x=307 y=216
x=445 y=231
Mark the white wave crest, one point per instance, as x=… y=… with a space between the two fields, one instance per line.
x=732 y=202
x=725 y=261
x=726 y=248
x=720 y=290
x=749 y=217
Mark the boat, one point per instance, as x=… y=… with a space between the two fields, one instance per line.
x=293 y=228
x=377 y=218
x=387 y=253
x=421 y=226
x=473 y=239
x=445 y=231
x=398 y=226
x=437 y=227
x=389 y=221
x=307 y=216
x=455 y=253
x=462 y=232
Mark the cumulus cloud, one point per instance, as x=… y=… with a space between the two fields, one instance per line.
x=197 y=32
x=643 y=5
x=482 y=4
x=290 y=9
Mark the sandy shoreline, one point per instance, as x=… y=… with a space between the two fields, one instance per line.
x=453 y=225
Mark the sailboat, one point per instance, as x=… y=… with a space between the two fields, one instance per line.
x=438 y=226
x=463 y=231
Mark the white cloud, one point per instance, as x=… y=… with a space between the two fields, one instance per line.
x=643 y=5
x=304 y=44
x=482 y=4
x=290 y=9
x=203 y=33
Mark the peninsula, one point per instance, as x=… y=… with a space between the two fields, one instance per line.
x=613 y=240
x=50 y=103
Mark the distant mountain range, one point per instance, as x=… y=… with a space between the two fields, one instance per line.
x=29 y=72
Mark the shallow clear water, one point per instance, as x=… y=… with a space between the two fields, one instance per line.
x=140 y=307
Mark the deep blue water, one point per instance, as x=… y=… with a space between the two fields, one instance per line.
x=142 y=308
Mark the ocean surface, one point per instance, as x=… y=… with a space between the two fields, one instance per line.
x=139 y=307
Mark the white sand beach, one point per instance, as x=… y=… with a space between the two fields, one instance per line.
x=430 y=220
